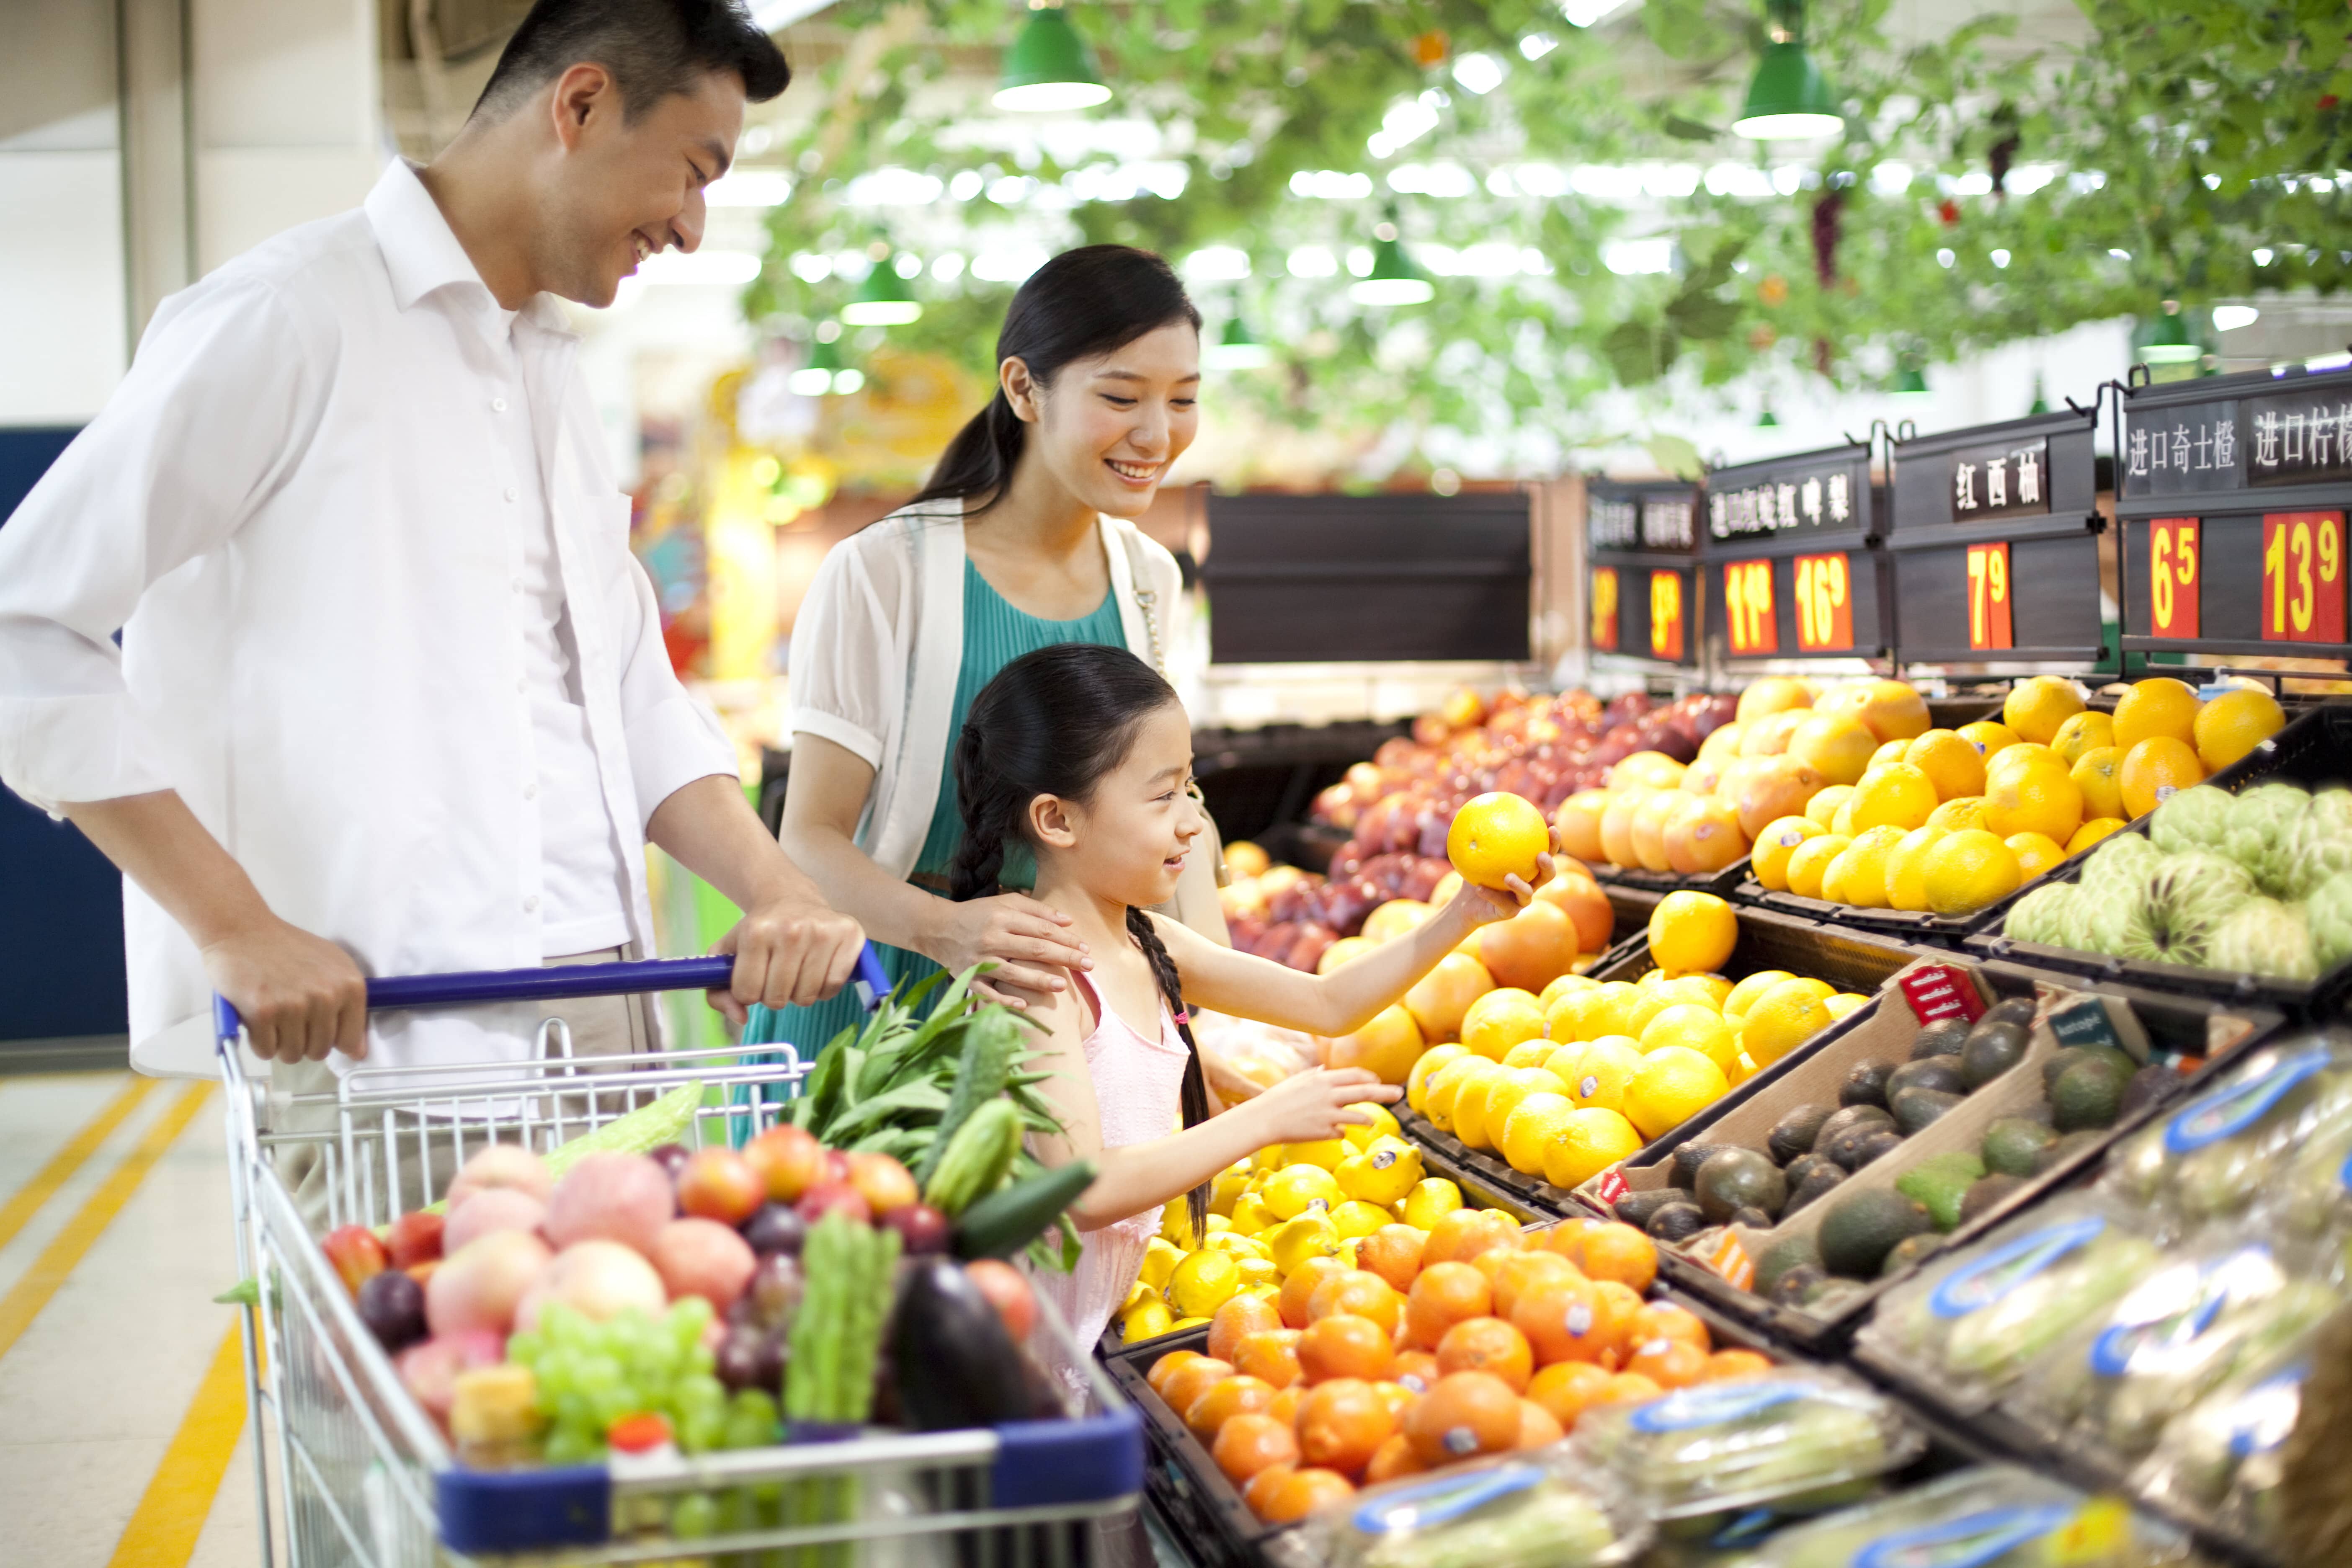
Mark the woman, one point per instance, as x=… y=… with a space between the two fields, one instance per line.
x=1022 y=540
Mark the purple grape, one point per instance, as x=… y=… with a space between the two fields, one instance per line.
x=670 y=1157
x=775 y=1292
x=776 y=1228
x=750 y=1358
x=392 y=1307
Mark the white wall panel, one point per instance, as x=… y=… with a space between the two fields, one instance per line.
x=62 y=316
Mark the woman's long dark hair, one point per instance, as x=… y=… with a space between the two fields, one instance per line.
x=1053 y=723
x=1082 y=304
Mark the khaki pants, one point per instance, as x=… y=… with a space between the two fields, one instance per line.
x=599 y=1027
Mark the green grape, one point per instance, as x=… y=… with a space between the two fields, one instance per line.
x=701 y=1392
x=572 y=1406
x=571 y=1445
x=735 y=1515
x=598 y=1374
x=702 y=1430
x=700 y=1360
x=525 y=1348
x=687 y=1321
x=611 y=1406
x=748 y=1429
x=694 y=1516
x=562 y=1326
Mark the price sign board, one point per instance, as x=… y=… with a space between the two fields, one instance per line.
x=1994 y=544
x=2234 y=493
x=1641 y=585
x=1799 y=573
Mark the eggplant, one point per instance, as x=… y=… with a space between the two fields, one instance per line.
x=954 y=1364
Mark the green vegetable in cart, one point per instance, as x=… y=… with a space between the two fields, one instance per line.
x=669 y=1119
x=837 y=1338
x=1008 y=1220
x=975 y=1159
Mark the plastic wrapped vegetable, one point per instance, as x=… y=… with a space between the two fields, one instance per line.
x=1784 y=1438
x=2186 y=1328
x=1971 y=1325
x=1547 y=1509
x=2220 y=1456
x=2219 y=1152
x=1991 y=1517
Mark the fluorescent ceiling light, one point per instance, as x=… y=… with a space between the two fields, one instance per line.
x=2230 y=318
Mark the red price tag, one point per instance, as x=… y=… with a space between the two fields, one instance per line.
x=1825 y=605
x=1610 y=1186
x=1748 y=606
x=1666 y=616
x=1729 y=1261
x=2172 y=577
x=2303 y=576
x=1604 y=608
x=1941 y=990
x=1988 y=596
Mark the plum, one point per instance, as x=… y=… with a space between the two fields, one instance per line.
x=702 y=1258
x=625 y=1198
x=750 y=1358
x=416 y=1237
x=921 y=1228
x=777 y=1228
x=392 y=1307
x=500 y=1165
x=489 y=1209
x=480 y=1284
x=670 y=1157
x=774 y=1296
x=826 y=1197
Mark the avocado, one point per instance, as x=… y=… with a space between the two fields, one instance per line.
x=2087 y=1095
x=1850 y=1116
x=1689 y=1157
x=1635 y=1208
x=1861 y=1227
x=1878 y=1145
x=1866 y=1083
x=1916 y=1108
x=1908 y=1251
x=1944 y=1037
x=1799 y=1285
x=1847 y=1147
x=1751 y=1217
x=1804 y=1165
x=1735 y=1178
x=2018 y=1010
x=1939 y=1182
x=2011 y=1142
x=1677 y=1222
x=1819 y=1180
x=1986 y=1192
x=2147 y=1086
x=1990 y=1053
x=1794 y=1135
x=2074 y=1056
x=2057 y=1153
x=1789 y=1252
x=1939 y=1073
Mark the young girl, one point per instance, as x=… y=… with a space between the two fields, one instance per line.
x=1083 y=753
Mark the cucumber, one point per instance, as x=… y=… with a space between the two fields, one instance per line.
x=976 y=1159
x=1005 y=1222
x=989 y=1041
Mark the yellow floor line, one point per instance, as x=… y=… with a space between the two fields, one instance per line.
x=170 y=1514
x=26 y=1299
x=27 y=1201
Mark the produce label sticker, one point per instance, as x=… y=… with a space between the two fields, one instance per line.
x=1730 y=1261
x=1942 y=991
x=2172 y=600
x=1971 y=1540
x=2101 y=1021
x=2303 y=576
x=1979 y=1284
x=2165 y=1315
x=2233 y=1108
x=1712 y=1405
x=1604 y=608
x=1612 y=1186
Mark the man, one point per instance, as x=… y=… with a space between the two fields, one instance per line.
x=391 y=696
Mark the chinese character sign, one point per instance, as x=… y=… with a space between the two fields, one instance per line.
x=1805 y=498
x=1612 y=523
x=2189 y=449
x=1667 y=522
x=2297 y=437
x=2009 y=481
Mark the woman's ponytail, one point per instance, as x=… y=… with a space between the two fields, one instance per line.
x=1192 y=1098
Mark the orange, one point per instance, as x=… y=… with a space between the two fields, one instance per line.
x=1415 y=1370
x=1810 y=861
x=1579 y=822
x=1692 y=932
x=1664 y=1321
x=1620 y=1306
x=1579 y=898
x=1240 y=1316
x=1293 y=1494
x=1393 y=1460
x=1892 y=711
x=2035 y=853
x=1539 y=1427
x=1468 y=1412
x=2157 y=706
x=1964 y=811
x=2153 y=769
x=1821 y=810
x=1445 y=1294
x=1285 y=1407
x=1669 y=1363
x=1496 y=836
x=1259 y=1494
x=2044 y=800
x=1396 y=1398
x=2090 y=832
x=2095 y=775
x=1358 y=1291
x=1299 y=1289
x=1386 y=1048
x=1488 y=1345
x=1769 y=862
x=1529 y=950
x=1505 y=1016
x=2038 y=708
x=1392 y=1252
x=1561 y=1319
x=1250 y=1442
x=1194 y=1379
x=1988 y=737
x=1439 y=999
x=1567 y=1237
x=1460 y=1235
x=1725 y=1365
x=1953 y=766
x=1896 y=795
x=1226 y=1398
x=1514 y=1272
x=1617 y=1251
x=1168 y=1366
x=1270 y=1355
x=1393 y=919
x=1345 y=1345
x=2086 y=732
x=2233 y=724
x=1632 y=1388
x=1566 y=1388
x=1342 y=1424
x=1834 y=745
x=1772 y=694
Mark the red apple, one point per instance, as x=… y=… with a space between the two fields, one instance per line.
x=415 y=1238
x=789 y=1160
x=882 y=1182
x=826 y=1197
x=357 y=1255
x=1008 y=1292
x=719 y=1183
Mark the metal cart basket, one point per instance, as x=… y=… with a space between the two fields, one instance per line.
x=364 y=1475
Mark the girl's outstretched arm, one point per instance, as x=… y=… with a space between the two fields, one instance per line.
x=1139 y=1177
x=1345 y=1000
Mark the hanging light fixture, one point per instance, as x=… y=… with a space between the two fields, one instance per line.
x=816 y=378
x=1769 y=420
x=1236 y=348
x=882 y=299
x=1393 y=280
x=1788 y=99
x=2041 y=399
x=2171 y=344
x=1049 y=68
x=1910 y=377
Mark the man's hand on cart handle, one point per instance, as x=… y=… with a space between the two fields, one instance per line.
x=301 y=995
x=790 y=950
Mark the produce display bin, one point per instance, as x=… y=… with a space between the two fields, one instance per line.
x=2202 y=1032
x=1850 y=960
x=1660 y=883
x=2312 y=750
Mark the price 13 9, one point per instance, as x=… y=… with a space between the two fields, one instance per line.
x=2303 y=576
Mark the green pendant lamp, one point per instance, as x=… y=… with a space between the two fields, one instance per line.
x=1237 y=349
x=2170 y=343
x=1770 y=420
x=1910 y=377
x=2041 y=399
x=816 y=378
x=1393 y=280
x=1788 y=99
x=1049 y=70
x=883 y=300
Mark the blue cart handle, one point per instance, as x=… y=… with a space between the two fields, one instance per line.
x=547 y=985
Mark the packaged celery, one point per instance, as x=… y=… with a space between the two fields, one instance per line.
x=1544 y=1508
x=2220 y=1457
x=1994 y=1516
x=2216 y=1156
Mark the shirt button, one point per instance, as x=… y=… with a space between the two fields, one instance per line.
x=511 y=492
x=531 y=904
x=497 y=405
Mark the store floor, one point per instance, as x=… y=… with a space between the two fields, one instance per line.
x=123 y=1431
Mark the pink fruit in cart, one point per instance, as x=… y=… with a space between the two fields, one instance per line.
x=615 y=1198
x=882 y=1182
x=501 y=1165
x=357 y=1255
x=429 y=1371
x=703 y=1257
x=788 y=1158
x=921 y=1228
x=721 y=1184
x=479 y=1285
x=1008 y=1291
x=598 y=1279
x=416 y=1237
x=489 y=1209
x=827 y=1196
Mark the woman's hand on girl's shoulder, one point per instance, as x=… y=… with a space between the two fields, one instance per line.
x=1482 y=906
x=1310 y=1105
x=1028 y=941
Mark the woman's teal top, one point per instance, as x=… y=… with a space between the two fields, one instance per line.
x=995 y=635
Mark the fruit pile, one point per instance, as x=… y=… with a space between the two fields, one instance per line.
x=1566 y=1082
x=2259 y=883
x=1467 y=1338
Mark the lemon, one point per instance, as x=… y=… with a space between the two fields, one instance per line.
x=1648 y=982
x=1237 y=1246
x=1588 y=1142
x=1176 y=1223
x=2043 y=800
x=1565 y=1060
x=1561 y=986
x=1531 y=1129
x=1137 y=1297
x=1821 y=810
x=1608 y=1066
x=1858 y=875
x=1811 y=860
x=1769 y=859
x=1691 y=930
x=2159 y=705
x=1892 y=751
x=1952 y=765
x=1896 y=795
x=1988 y=737
x=1437 y=1101
x=1843 y=1003
x=1295 y=1241
x=1354 y=1218
x=1383 y=1174
x=1295 y=1189
x=2096 y=776
x=1201 y=1282
x=1161 y=1258
x=1146 y=1321
x=1743 y=995
x=2035 y=853
x=1906 y=868
x=1432 y=1198
x=1226 y=1190
x=1470 y=1105
x=1513 y=1084
x=1673 y=1084
x=1970 y=869
x=1219 y=1222
x=1648 y=1006
x=1325 y=1152
x=2090 y=832
x=1695 y=1027
x=1253 y=1216
x=1416 y=1082
x=2086 y=732
x=1841 y=821
x=1966 y=811
x=1784 y=1019
x=1528 y=1053
x=2023 y=757
x=1259 y=1273
x=1377 y=1123
x=1501 y=1020
x=2038 y=708
x=1710 y=989
x=2233 y=724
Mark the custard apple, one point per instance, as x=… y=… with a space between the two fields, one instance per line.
x=2263 y=936
x=2264 y=824
x=2041 y=915
x=2195 y=818
x=2185 y=903
x=2328 y=916
x=2323 y=845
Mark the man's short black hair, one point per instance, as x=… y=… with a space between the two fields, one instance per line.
x=653 y=47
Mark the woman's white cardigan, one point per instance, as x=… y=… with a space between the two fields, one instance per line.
x=879 y=646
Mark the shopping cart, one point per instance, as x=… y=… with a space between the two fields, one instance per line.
x=364 y=1475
